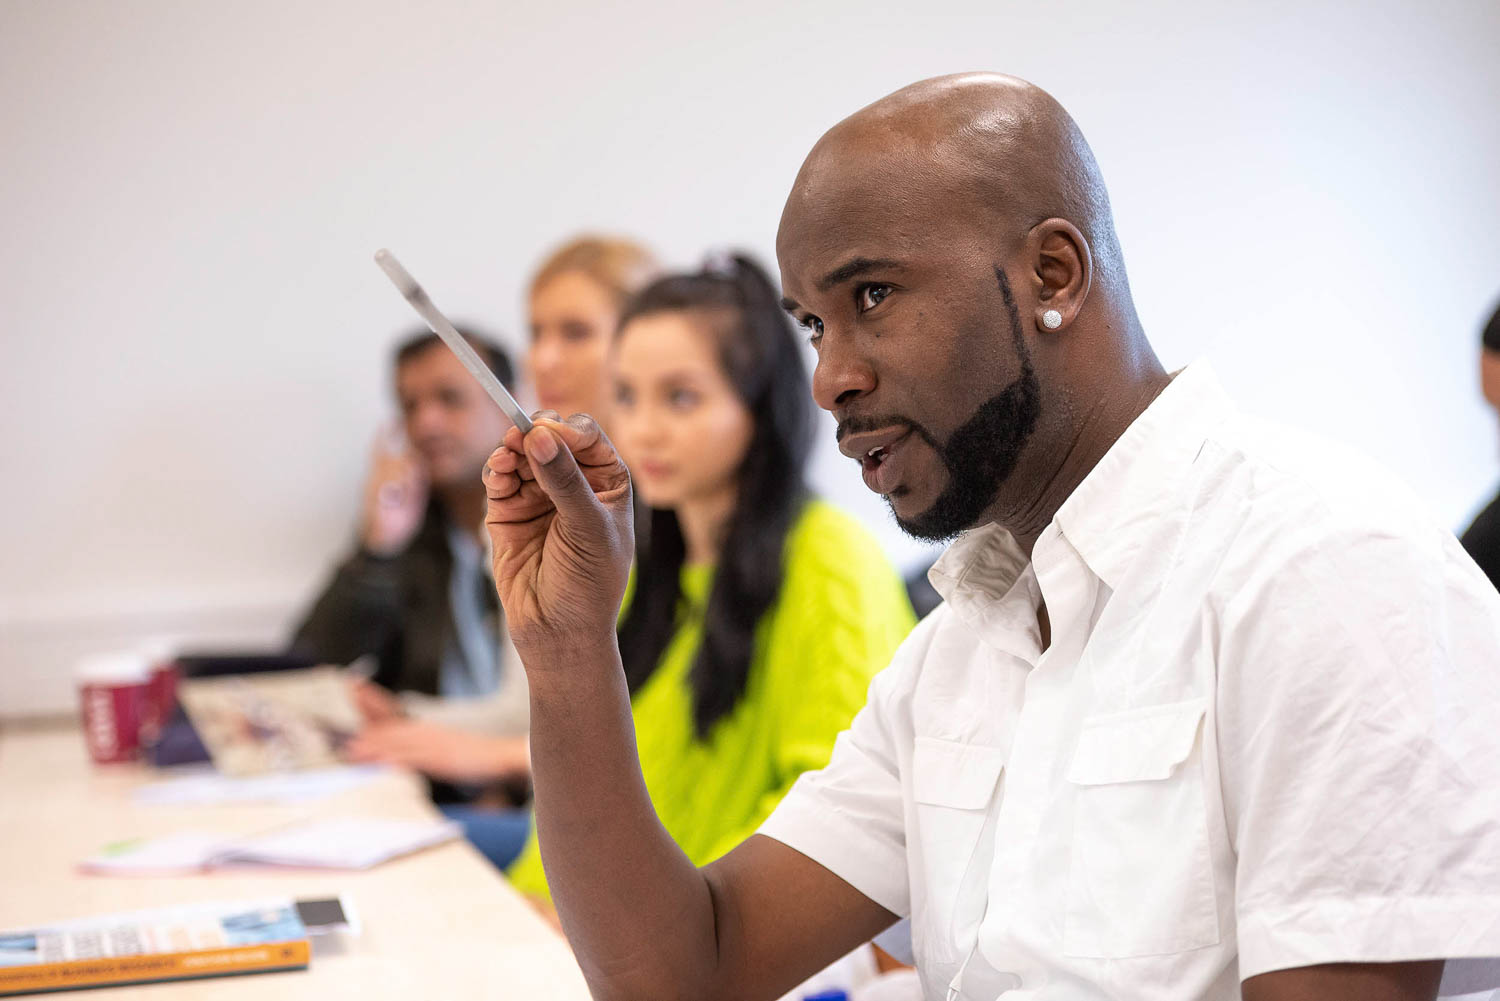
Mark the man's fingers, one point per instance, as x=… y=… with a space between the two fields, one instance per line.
x=594 y=451
x=527 y=503
x=583 y=423
x=499 y=486
x=503 y=471
x=515 y=441
x=503 y=459
x=508 y=460
x=523 y=468
x=581 y=433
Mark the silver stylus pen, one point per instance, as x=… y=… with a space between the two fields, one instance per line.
x=422 y=303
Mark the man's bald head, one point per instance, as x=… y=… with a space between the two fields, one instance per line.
x=1000 y=148
x=950 y=250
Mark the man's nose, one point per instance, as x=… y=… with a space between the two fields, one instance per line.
x=842 y=374
x=424 y=417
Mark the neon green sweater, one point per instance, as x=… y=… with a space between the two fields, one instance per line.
x=840 y=615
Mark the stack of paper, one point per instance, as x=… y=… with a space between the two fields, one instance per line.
x=207 y=786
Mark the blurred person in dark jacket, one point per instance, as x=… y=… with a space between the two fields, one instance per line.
x=415 y=595
x=1482 y=540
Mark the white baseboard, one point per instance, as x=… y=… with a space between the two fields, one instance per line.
x=37 y=657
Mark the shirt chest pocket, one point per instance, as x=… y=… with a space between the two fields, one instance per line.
x=953 y=787
x=1141 y=879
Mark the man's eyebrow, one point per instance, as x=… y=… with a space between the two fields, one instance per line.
x=841 y=274
x=853 y=269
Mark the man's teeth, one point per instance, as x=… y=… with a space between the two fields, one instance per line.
x=877 y=453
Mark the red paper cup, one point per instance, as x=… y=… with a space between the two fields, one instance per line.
x=113 y=695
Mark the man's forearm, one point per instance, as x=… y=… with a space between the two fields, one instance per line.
x=638 y=913
x=1416 y=981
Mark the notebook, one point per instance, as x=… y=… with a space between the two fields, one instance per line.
x=337 y=843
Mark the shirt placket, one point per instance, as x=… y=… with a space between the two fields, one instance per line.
x=1069 y=590
x=1009 y=654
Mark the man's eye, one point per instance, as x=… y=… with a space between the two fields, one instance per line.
x=813 y=326
x=869 y=296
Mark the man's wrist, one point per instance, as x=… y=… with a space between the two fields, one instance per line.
x=569 y=666
x=559 y=653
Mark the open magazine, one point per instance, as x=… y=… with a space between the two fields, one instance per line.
x=276 y=721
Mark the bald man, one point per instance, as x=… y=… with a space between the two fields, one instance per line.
x=1210 y=710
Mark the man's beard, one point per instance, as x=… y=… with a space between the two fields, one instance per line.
x=983 y=451
x=979 y=456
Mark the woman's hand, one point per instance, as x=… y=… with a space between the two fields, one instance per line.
x=375 y=704
x=559 y=519
x=449 y=755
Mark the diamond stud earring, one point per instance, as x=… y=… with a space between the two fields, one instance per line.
x=1052 y=319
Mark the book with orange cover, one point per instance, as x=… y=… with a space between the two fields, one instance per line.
x=143 y=946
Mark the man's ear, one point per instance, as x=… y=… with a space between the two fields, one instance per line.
x=1062 y=273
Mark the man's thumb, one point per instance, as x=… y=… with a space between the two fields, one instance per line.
x=556 y=470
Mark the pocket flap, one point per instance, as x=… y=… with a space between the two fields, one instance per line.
x=1138 y=745
x=951 y=773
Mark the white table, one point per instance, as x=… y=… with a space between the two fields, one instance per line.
x=440 y=924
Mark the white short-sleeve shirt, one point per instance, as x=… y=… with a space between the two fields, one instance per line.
x=1265 y=734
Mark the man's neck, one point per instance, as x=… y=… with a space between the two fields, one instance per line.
x=464 y=507
x=1093 y=436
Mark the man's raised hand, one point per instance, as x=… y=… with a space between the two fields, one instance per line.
x=559 y=518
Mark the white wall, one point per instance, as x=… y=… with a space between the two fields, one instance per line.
x=194 y=337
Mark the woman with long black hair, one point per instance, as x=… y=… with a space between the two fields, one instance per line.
x=757 y=613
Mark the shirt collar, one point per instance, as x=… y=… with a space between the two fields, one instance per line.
x=1133 y=480
x=975 y=572
x=1140 y=476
